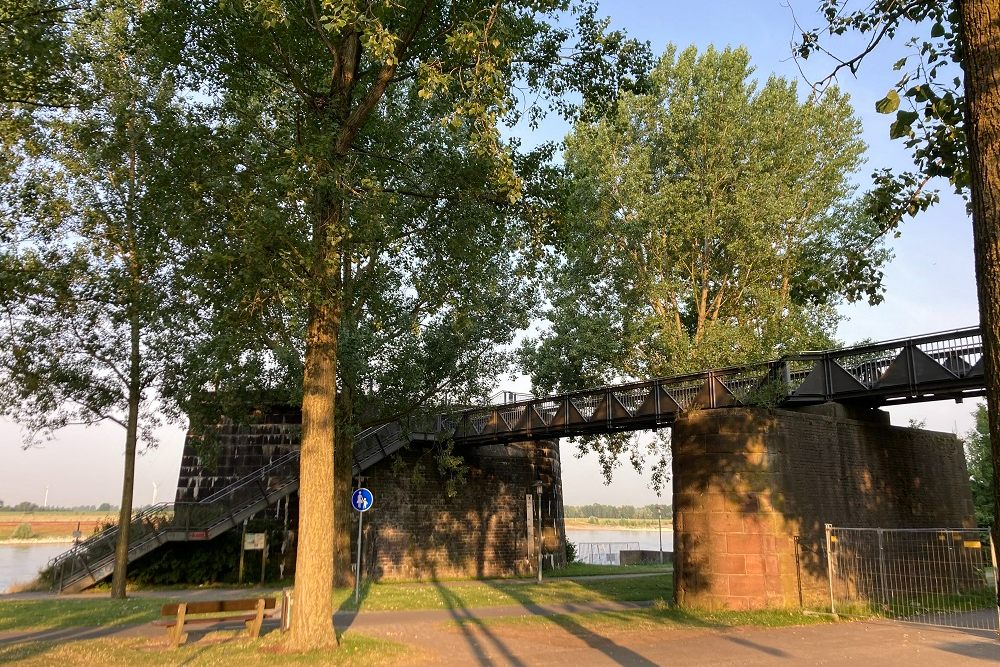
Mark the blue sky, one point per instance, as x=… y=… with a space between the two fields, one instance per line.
x=930 y=285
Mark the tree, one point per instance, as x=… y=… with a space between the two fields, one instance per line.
x=978 y=457
x=711 y=222
x=952 y=130
x=37 y=66
x=85 y=271
x=376 y=125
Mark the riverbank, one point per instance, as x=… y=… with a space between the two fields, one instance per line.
x=617 y=524
x=36 y=540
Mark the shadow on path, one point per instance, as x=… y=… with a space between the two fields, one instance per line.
x=465 y=617
x=608 y=647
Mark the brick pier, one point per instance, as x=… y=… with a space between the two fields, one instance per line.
x=753 y=489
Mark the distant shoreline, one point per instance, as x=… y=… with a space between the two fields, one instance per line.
x=37 y=540
x=582 y=524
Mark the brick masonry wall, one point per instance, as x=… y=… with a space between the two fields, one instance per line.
x=415 y=530
x=753 y=489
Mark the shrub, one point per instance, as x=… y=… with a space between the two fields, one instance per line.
x=23 y=532
x=570 y=552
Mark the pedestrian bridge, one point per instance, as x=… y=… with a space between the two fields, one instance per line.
x=940 y=366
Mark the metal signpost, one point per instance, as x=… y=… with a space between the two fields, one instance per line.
x=361 y=500
x=254 y=542
x=538 y=490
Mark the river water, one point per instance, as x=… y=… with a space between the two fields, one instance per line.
x=19 y=563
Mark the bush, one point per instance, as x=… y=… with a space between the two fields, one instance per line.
x=570 y=552
x=23 y=532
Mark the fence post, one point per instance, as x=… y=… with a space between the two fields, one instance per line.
x=881 y=573
x=829 y=565
x=996 y=579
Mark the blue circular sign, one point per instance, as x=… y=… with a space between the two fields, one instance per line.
x=362 y=500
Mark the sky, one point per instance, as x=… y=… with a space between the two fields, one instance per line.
x=930 y=284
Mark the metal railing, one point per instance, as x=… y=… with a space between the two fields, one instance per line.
x=934 y=576
x=165 y=522
x=930 y=367
x=603 y=553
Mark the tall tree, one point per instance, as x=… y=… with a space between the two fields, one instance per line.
x=980 y=461
x=379 y=123
x=952 y=129
x=711 y=223
x=85 y=276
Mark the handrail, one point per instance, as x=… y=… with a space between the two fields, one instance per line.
x=208 y=513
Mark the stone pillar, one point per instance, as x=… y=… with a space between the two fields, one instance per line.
x=753 y=489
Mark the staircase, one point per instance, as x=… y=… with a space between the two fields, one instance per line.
x=92 y=560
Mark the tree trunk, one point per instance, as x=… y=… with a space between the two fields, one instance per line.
x=343 y=513
x=119 y=576
x=312 y=615
x=980 y=25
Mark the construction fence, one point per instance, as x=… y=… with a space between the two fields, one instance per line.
x=944 y=577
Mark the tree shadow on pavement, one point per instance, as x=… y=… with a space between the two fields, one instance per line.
x=464 y=617
x=605 y=645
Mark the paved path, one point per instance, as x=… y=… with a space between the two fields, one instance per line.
x=471 y=636
x=565 y=642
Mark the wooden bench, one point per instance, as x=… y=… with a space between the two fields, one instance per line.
x=211 y=611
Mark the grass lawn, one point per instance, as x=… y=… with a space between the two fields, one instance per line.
x=218 y=648
x=382 y=597
x=55 y=613
x=586 y=570
x=50 y=614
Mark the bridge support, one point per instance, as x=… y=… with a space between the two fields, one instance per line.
x=754 y=487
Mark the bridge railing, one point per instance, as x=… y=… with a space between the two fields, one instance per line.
x=938 y=362
x=151 y=523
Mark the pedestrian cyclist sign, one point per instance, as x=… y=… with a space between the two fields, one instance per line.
x=362 y=500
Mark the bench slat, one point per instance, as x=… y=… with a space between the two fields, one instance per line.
x=218 y=606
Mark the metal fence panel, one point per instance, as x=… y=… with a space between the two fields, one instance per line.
x=940 y=576
x=603 y=553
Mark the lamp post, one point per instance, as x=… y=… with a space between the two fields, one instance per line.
x=538 y=492
x=659 y=527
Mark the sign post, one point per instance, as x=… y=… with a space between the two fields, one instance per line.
x=254 y=542
x=361 y=500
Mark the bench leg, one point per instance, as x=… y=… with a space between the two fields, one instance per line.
x=253 y=625
x=177 y=634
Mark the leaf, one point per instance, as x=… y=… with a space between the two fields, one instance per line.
x=899 y=64
x=889 y=103
x=937 y=30
x=903 y=124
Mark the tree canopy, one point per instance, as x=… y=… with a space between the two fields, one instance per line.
x=383 y=223
x=980 y=462
x=710 y=222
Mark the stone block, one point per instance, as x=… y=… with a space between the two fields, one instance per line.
x=747 y=585
x=754 y=564
x=743 y=543
x=725 y=522
x=727 y=564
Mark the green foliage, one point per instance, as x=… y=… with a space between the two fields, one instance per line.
x=570 y=552
x=980 y=463
x=23 y=532
x=710 y=222
x=37 y=62
x=420 y=195
x=930 y=123
x=86 y=269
